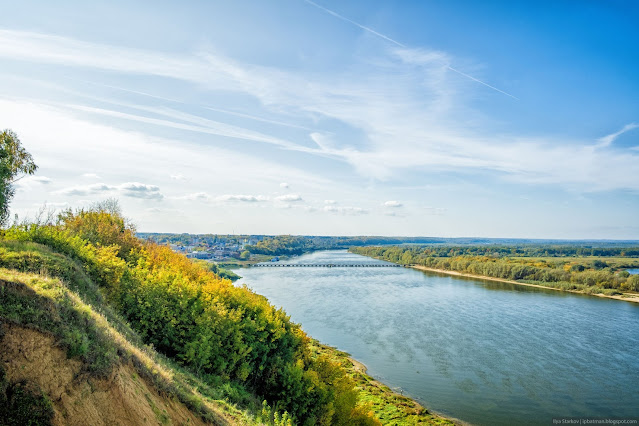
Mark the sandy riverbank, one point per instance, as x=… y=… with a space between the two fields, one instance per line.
x=627 y=297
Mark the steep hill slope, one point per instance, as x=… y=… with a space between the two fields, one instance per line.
x=64 y=363
x=35 y=360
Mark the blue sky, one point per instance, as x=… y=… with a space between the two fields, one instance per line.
x=437 y=118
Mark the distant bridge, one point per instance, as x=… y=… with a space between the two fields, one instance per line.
x=326 y=265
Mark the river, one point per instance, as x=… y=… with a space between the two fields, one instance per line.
x=484 y=352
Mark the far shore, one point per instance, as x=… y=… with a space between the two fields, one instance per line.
x=628 y=297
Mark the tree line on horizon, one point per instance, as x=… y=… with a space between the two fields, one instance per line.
x=569 y=272
x=295 y=245
x=299 y=244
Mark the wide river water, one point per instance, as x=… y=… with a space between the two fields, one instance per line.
x=484 y=352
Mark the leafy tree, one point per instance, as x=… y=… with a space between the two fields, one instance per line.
x=15 y=162
x=102 y=224
x=599 y=264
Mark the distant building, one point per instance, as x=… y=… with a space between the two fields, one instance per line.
x=199 y=255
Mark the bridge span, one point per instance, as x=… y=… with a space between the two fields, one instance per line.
x=325 y=265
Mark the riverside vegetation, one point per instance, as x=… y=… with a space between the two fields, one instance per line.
x=591 y=270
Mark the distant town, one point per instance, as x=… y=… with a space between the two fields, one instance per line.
x=207 y=246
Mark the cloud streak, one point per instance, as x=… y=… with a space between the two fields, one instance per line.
x=607 y=140
x=203 y=125
x=370 y=30
x=345 y=19
x=347 y=210
x=413 y=125
x=207 y=107
x=242 y=198
x=140 y=190
x=289 y=198
x=84 y=190
x=127 y=189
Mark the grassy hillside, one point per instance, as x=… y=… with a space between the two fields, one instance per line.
x=65 y=356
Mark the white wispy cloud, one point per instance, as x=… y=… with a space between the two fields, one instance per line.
x=110 y=145
x=414 y=124
x=362 y=101
x=45 y=48
x=395 y=42
x=204 y=125
x=420 y=56
x=393 y=204
x=242 y=198
x=84 y=190
x=207 y=107
x=260 y=119
x=197 y=196
x=140 y=190
x=127 y=189
x=90 y=176
x=607 y=140
x=346 y=210
x=434 y=211
x=289 y=198
x=365 y=28
x=206 y=197
x=35 y=179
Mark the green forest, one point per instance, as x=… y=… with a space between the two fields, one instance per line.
x=588 y=269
